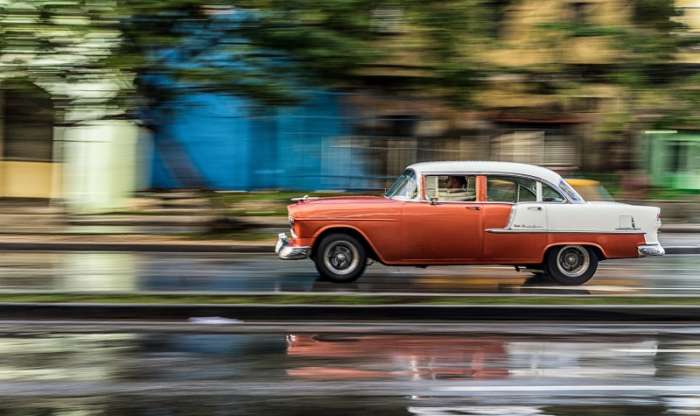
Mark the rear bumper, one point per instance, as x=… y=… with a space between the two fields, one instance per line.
x=651 y=250
x=287 y=252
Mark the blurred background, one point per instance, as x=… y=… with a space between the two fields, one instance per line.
x=110 y=106
x=189 y=124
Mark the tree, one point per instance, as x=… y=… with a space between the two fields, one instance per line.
x=654 y=88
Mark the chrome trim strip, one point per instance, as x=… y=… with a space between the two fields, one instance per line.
x=535 y=230
x=348 y=219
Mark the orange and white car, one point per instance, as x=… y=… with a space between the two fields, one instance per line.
x=465 y=213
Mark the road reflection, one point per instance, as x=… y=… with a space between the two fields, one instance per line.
x=421 y=357
x=398 y=356
x=312 y=374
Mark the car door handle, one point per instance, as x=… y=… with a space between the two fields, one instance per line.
x=475 y=208
x=535 y=208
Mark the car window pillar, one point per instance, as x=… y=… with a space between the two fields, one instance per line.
x=481 y=188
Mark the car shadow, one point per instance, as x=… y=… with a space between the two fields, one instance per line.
x=538 y=283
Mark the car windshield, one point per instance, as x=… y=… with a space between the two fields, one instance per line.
x=405 y=186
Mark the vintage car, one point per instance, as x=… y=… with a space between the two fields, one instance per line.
x=465 y=213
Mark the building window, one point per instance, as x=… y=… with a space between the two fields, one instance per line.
x=679 y=156
x=28 y=121
x=580 y=12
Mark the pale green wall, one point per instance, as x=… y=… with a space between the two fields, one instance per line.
x=659 y=155
x=100 y=166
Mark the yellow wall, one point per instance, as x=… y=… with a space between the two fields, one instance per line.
x=20 y=179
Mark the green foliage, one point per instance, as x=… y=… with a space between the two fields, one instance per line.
x=656 y=14
x=273 y=47
x=646 y=50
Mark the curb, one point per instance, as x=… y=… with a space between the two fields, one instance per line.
x=366 y=313
x=146 y=247
x=193 y=248
x=682 y=250
x=680 y=228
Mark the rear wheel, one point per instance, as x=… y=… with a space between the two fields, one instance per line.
x=340 y=258
x=571 y=265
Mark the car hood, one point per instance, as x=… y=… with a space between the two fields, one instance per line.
x=336 y=207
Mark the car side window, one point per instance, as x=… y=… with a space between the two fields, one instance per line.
x=549 y=194
x=460 y=188
x=510 y=189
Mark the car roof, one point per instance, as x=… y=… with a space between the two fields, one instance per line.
x=487 y=167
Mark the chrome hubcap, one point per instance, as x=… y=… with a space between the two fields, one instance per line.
x=341 y=257
x=573 y=261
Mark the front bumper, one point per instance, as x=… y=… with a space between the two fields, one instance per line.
x=651 y=250
x=287 y=252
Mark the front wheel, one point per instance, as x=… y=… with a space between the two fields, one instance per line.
x=571 y=265
x=340 y=258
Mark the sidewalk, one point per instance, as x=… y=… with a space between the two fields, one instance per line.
x=256 y=221
x=170 y=243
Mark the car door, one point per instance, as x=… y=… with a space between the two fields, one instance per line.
x=446 y=230
x=513 y=197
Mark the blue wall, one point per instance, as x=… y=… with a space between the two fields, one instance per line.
x=236 y=146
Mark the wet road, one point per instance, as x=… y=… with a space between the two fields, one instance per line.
x=125 y=272
x=306 y=373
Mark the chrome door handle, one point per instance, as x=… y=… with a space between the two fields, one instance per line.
x=475 y=208
x=535 y=208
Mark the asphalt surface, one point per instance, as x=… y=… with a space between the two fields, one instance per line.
x=219 y=272
x=499 y=370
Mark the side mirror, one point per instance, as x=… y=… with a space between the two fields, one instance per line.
x=433 y=200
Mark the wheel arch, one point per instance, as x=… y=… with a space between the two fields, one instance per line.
x=597 y=249
x=346 y=229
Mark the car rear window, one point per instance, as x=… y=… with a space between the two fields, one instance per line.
x=570 y=192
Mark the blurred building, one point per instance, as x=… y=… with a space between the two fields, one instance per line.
x=28 y=168
x=673 y=158
x=50 y=153
x=551 y=102
x=56 y=138
x=360 y=137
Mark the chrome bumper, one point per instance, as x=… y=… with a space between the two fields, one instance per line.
x=651 y=250
x=285 y=252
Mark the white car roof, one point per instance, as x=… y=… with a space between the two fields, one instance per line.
x=487 y=167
